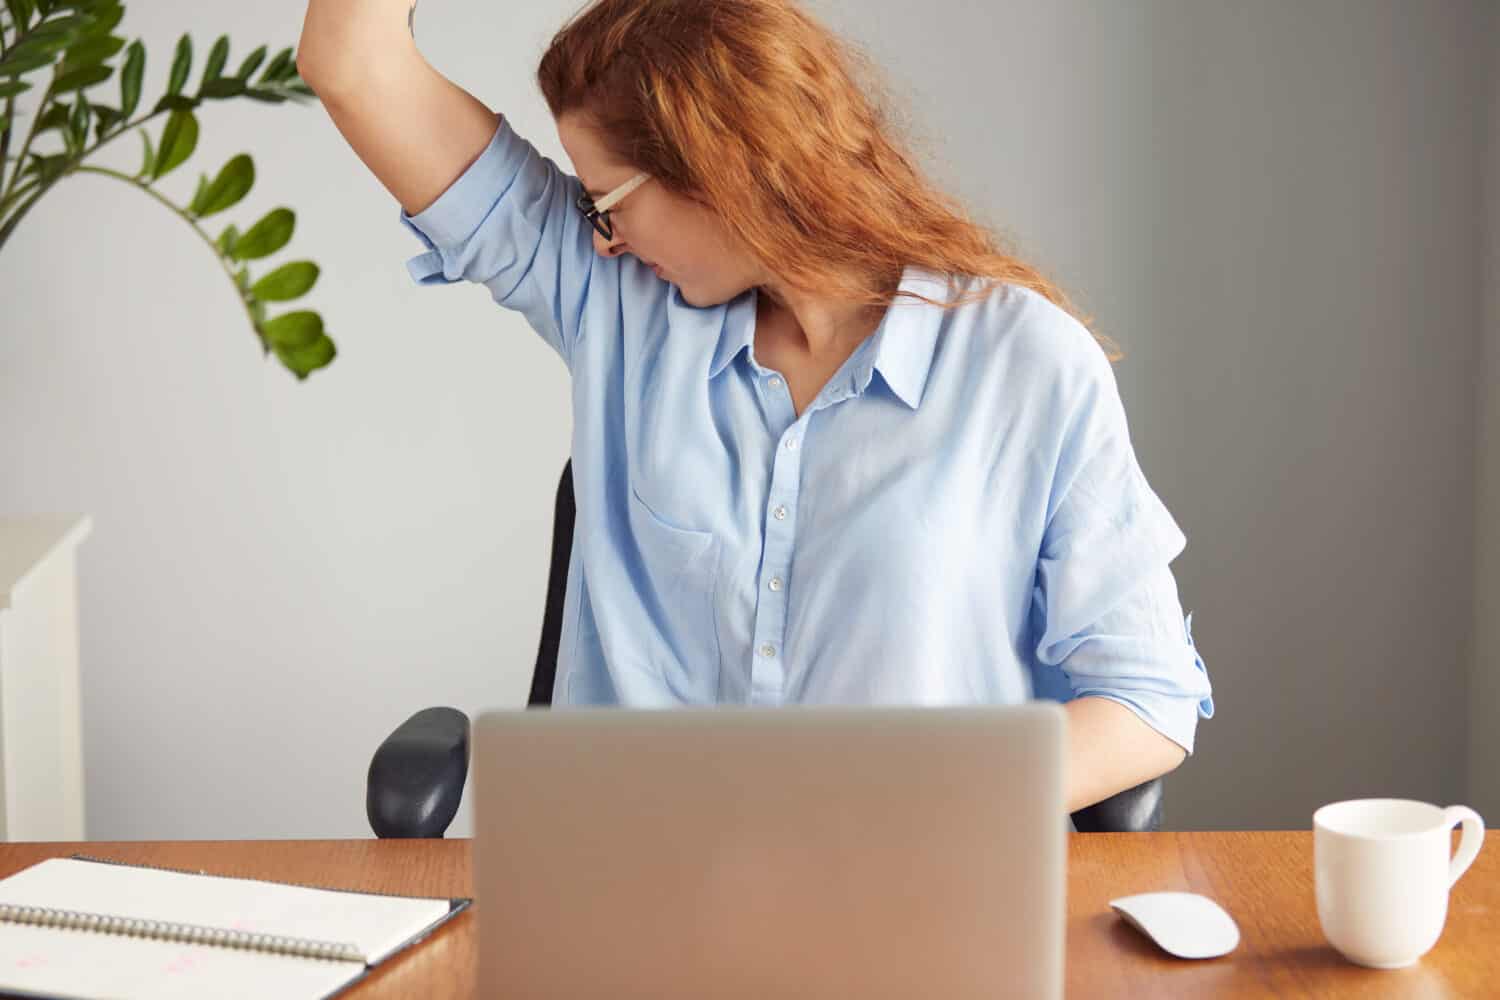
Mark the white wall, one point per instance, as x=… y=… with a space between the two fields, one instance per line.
x=1271 y=206
x=279 y=573
x=1484 y=706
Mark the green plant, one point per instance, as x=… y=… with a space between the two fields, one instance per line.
x=75 y=39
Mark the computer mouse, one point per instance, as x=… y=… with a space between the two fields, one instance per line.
x=1184 y=924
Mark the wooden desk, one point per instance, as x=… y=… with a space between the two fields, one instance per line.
x=1264 y=879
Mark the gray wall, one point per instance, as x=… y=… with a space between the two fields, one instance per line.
x=1484 y=708
x=1271 y=206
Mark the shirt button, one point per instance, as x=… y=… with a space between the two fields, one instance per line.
x=780 y=512
x=775 y=382
x=768 y=650
x=775 y=583
x=791 y=444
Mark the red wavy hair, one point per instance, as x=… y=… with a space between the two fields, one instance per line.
x=753 y=108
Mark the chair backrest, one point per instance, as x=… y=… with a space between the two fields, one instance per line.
x=1134 y=809
x=557 y=585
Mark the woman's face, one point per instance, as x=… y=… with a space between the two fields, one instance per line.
x=685 y=240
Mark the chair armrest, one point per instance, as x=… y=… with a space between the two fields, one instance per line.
x=417 y=775
x=1135 y=810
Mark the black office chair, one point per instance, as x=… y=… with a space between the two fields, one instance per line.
x=417 y=775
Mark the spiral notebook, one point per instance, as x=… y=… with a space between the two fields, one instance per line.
x=82 y=928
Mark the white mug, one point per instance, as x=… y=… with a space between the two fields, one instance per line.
x=1382 y=873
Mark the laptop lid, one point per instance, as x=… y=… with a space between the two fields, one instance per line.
x=771 y=852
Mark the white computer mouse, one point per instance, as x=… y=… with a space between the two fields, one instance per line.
x=1184 y=924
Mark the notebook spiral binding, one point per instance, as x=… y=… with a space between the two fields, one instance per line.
x=162 y=930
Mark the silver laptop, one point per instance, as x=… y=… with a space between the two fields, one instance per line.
x=771 y=852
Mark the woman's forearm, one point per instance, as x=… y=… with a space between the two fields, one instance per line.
x=1111 y=749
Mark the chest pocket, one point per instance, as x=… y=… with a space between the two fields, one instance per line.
x=680 y=570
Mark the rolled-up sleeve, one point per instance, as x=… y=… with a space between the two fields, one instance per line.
x=509 y=223
x=1106 y=606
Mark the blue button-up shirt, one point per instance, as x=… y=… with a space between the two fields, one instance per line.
x=958 y=517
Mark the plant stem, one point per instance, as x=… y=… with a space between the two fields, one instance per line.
x=10 y=120
x=9 y=225
x=219 y=255
x=11 y=193
x=18 y=190
x=119 y=132
x=10 y=114
x=30 y=134
x=9 y=108
x=20 y=193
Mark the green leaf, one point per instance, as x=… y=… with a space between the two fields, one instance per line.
x=216 y=59
x=182 y=64
x=150 y=158
x=251 y=64
x=88 y=76
x=109 y=119
x=178 y=140
x=265 y=96
x=198 y=193
x=63 y=27
x=267 y=236
x=232 y=184
x=10 y=88
x=46 y=167
x=226 y=243
x=56 y=116
x=289 y=281
x=293 y=329
x=130 y=78
x=20 y=12
x=176 y=102
x=303 y=361
x=224 y=86
x=29 y=56
x=285 y=59
x=92 y=51
x=103 y=18
x=78 y=123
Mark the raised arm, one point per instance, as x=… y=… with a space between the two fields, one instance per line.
x=414 y=128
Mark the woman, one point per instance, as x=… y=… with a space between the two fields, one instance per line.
x=830 y=444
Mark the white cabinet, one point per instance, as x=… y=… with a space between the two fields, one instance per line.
x=41 y=729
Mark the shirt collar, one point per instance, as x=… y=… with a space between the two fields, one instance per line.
x=903 y=343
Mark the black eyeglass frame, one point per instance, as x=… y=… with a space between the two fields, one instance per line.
x=598 y=217
x=599 y=220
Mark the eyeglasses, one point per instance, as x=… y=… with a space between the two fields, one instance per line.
x=598 y=212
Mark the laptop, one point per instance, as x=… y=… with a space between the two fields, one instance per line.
x=729 y=852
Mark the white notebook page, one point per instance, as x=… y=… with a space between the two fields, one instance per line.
x=87 y=965
x=375 y=925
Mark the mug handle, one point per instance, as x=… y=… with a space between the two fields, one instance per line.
x=1468 y=844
